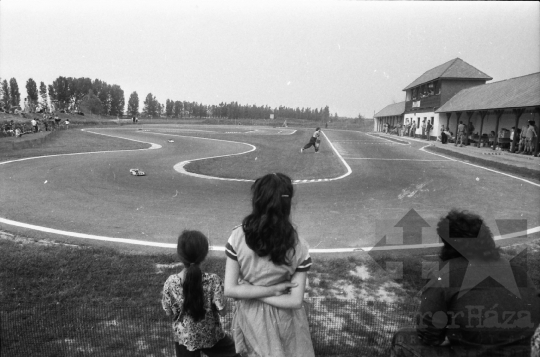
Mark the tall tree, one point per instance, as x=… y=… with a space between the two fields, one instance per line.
x=102 y=91
x=90 y=103
x=169 y=107
x=177 y=109
x=31 y=89
x=44 y=97
x=6 y=95
x=117 y=100
x=133 y=104
x=59 y=93
x=14 y=93
x=79 y=88
x=150 y=107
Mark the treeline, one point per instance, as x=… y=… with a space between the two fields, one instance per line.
x=64 y=94
x=98 y=97
x=182 y=109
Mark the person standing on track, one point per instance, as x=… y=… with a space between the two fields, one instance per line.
x=313 y=141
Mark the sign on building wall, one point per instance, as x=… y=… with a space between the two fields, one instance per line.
x=416 y=104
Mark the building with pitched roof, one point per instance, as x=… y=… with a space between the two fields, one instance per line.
x=442 y=94
x=435 y=87
x=391 y=114
x=495 y=106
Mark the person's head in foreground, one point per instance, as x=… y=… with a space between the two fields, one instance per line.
x=464 y=234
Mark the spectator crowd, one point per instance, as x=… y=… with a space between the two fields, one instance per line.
x=527 y=142
x=47 y=122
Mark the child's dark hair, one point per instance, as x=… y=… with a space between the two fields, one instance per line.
x=192 y=249
x=268 y=229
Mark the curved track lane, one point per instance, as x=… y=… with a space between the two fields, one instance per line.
x=97 y=196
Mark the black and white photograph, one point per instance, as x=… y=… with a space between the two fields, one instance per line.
x=269 y=178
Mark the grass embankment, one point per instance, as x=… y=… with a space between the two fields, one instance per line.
x=65 y=300
x=275 y=153
x=71 y=141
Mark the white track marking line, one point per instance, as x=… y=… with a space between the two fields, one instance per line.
x=481 y=167
x=180 y=167
x=349 y=171
x=219 y=248
x=418 y=246
x=381 y=159
x=392 y=141
x=153 y=146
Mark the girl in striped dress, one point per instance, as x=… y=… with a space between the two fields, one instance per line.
x=266 y=270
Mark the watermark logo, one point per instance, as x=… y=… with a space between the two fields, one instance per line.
x=423 y=270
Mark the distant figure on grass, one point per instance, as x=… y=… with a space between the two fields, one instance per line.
x=195 y=300
x=476 y=302
x=313 y=141
x=267 y=265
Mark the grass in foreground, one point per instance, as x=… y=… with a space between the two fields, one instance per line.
x=71 y=300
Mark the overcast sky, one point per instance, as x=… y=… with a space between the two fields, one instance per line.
x=355 y=57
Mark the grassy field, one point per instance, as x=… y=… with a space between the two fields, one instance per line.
x=114 y=297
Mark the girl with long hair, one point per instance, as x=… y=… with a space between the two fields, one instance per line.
x=194 y=299
x=266 y=270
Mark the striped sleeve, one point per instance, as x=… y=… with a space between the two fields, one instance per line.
x=231 y=243
x=305 y=265
x=304 y=259
x=230 y=252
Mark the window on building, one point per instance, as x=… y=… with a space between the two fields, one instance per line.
x=414 y=94
x=422 y=91
x=437 y=87
x=432 y=120
x=431 y=88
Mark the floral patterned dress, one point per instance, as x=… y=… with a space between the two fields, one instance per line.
x=259 y=329
x=204 y=333
x=535 y=344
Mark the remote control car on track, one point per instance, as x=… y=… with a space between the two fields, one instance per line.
x=137 y=172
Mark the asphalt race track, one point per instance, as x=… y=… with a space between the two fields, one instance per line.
x=94 y=193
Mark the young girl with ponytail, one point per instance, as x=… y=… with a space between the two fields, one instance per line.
x=266 y=270
x=194 y=299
